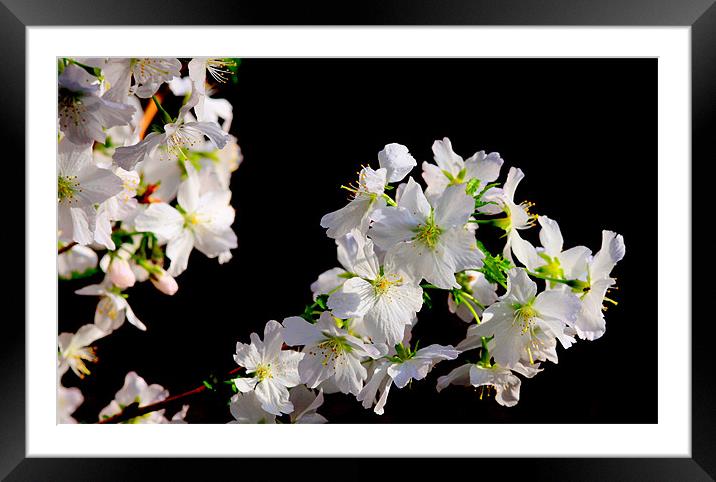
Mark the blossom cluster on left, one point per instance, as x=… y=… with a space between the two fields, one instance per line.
x=139 y=187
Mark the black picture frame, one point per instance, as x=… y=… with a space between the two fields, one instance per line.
x=700 y=15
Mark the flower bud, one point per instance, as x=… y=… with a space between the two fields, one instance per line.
x=121 y=274
x=165 y=283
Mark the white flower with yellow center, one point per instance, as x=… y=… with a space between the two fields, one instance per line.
x=385 y=297
x=401 y=369
x=369 y=194
x=590 y=323
x=149 y=74
x=176 y=138
x=517 y=216
x=504 y=383
x=270 y=370
x=330 y=352
x=74 y=349
x=84 y=114
x=522 y=322
x=366 y=197
x=81 y=185
x=549 y=260
x=450 y=169
x=136 y=390
x=199 y=220
x=113 y=307
x=207 y=109
x=430 y=242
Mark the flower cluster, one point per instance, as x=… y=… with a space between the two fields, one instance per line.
x=132 y=192
x=136 y=185
x=356 y=336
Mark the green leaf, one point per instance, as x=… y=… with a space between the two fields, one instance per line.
x=427 y=300
x=472 y=185
x=494 y=267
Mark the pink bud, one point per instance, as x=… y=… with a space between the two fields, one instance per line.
x=165 y=283
x=121 y=273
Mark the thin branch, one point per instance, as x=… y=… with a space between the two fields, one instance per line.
x=133 y=410
x=149 y=113
x=67 y=247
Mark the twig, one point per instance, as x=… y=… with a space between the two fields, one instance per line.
x=134 y=410
x=148 y=116
x=67 y=247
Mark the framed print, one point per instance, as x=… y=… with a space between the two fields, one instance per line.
x=414 y=231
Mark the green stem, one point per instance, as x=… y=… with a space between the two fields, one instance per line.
x=548 y=278
x=165 y=115
x=474 y=300
x=389 y=200
x=472 y=310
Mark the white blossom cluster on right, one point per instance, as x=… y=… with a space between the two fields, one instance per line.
x=395 y=253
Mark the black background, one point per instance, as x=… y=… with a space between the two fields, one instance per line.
x=582 y=130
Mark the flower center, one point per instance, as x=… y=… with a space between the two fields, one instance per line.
x=263 y=372
x=428 y=233
x=524 y=314
x=552 y=268
x=191 y=219
x=77 y=360
x=220 y=69
x=331 y=350
x=179 y=143
x=67 y=187
x=382 y=284
x=144 y=69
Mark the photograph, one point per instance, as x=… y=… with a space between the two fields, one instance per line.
x=357 y=240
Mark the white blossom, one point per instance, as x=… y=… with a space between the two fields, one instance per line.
x=76 y=260
x=172 y=143
x=112 y=308
x=80 y=186
x=201 y=221
x=366 y=197
x=431 y=242
x=505 y=383
x=523 y=320
x=74 y=349
x=270 y=370
x=450 y=169
x=386 y=298
x=517 y=216
x=68 y=400
x=305 y=404
x=590 y=323
x=330 y=352
x=136 y=390
x=550 y=260
x=83 y=113
x=149 y=74
x=400 y=372
x=246 y=408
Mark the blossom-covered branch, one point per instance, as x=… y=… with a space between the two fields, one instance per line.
x=135 y=409
x=145 y=202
